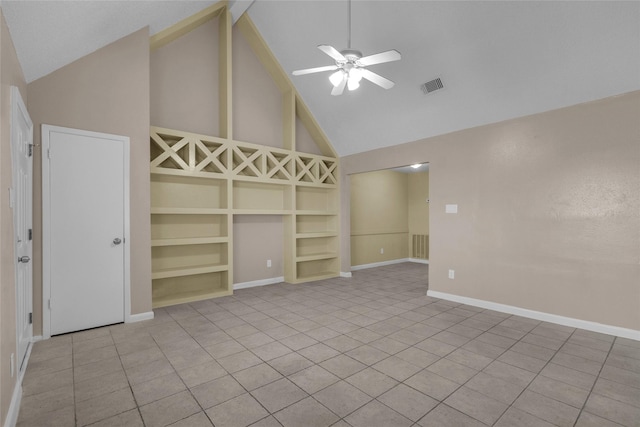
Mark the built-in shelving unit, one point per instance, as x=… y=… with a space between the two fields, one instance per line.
x=199 y=182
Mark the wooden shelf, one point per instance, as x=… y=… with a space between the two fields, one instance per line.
x=315 y=257
x=189 y=211
x=318 y=212
x=317 y=276
x=191 y=296
x=189 y=241
x=316 y=235
x=190 y=271
x=261 y=212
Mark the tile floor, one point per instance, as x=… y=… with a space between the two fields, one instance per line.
x=368 y=351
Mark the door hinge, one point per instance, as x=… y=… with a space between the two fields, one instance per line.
x=30 y=318
x=48 y=153
x=30 y=150
x=49 y=304
x=31 y=234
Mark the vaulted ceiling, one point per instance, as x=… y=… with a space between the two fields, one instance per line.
x=497 y=60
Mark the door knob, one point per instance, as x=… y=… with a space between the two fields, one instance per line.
x=117 y=241
x=24 y=259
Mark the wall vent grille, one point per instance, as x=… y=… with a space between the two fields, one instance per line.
x=432 y=86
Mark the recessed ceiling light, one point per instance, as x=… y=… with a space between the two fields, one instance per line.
x=416 y=166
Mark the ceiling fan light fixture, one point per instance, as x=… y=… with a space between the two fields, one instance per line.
x=336 y=78
x=353 y=84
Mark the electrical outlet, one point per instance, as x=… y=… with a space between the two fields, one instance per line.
x=13 y=364
x=381 y=251
x=452 y=274
x=268 y=263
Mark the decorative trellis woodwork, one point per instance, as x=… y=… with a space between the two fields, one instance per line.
x=202 y=155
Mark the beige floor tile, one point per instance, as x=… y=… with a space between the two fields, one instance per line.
x=62 y=417
x=509 y=373
x=559 y=391
x=240 y=411
x=569 y=376
x=270 y=351
x=367 y=354
x=589 y=420
x=308 y=413
x=417 y=357
x=444 y=415
x=342 y=398
x=476 y=405
x=290 y=363
x=496 y=388
x=104 y=406
x=99 y=386
x=375 y=414
x=37 y=404
x=613 y=410
x=169 y=410
x=217 y=391
x=432 y=384
x=257 y=376
x=548 y=409
x=278 y=395
x=298 y=341
x=239 y=361
x=372 y=382
x=343 y=366
x=515 y=417
x=148 y=371
x=200 y=374
x=129 y=418
x=33 y=384
x=343 y=343
x=396 y=368
x=224 y=349
x=318 y=352
x=313 y=379
x=408 y=402
x=157 y=388
x=199 y=419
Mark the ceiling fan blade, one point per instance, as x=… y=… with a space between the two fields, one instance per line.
x=337 y=90
x=379 y=58
x=377 y=79
x=332 y=52
x=314 y=70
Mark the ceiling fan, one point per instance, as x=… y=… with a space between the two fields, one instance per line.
x=350 y=66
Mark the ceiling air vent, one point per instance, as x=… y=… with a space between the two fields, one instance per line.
x=432 y=86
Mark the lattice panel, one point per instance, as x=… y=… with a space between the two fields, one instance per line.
x=176 y=150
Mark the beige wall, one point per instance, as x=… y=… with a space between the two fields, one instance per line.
x=106 y=91
x=10 y=75
x=257 y=238
x=379 y=204
x=418 y=206
x=184 y=82
x=548 y=210
x=257 y=101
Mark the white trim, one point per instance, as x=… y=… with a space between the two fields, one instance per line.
x=345 y=274
x=16 y=398
x=139 y=317
x=261 y=282
x=37 y=338
x=419 y=260
x=46 y=222
x=539 y=315
x=379 y=264
x=14 y=407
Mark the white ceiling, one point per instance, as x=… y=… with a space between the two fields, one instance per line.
x=497 y=60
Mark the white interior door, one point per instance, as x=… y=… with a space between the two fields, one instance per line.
x=22 y=164
x=85 y=256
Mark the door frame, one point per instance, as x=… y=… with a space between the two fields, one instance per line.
x=18 y=107
x=46 y=220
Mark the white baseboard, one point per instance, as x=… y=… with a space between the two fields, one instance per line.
x=378 y=264
x=419 y=260
x=139 y=317
x=16 y=398
x=539 y=315
x=14 y=408
x=345 y=274
x=261 y=282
